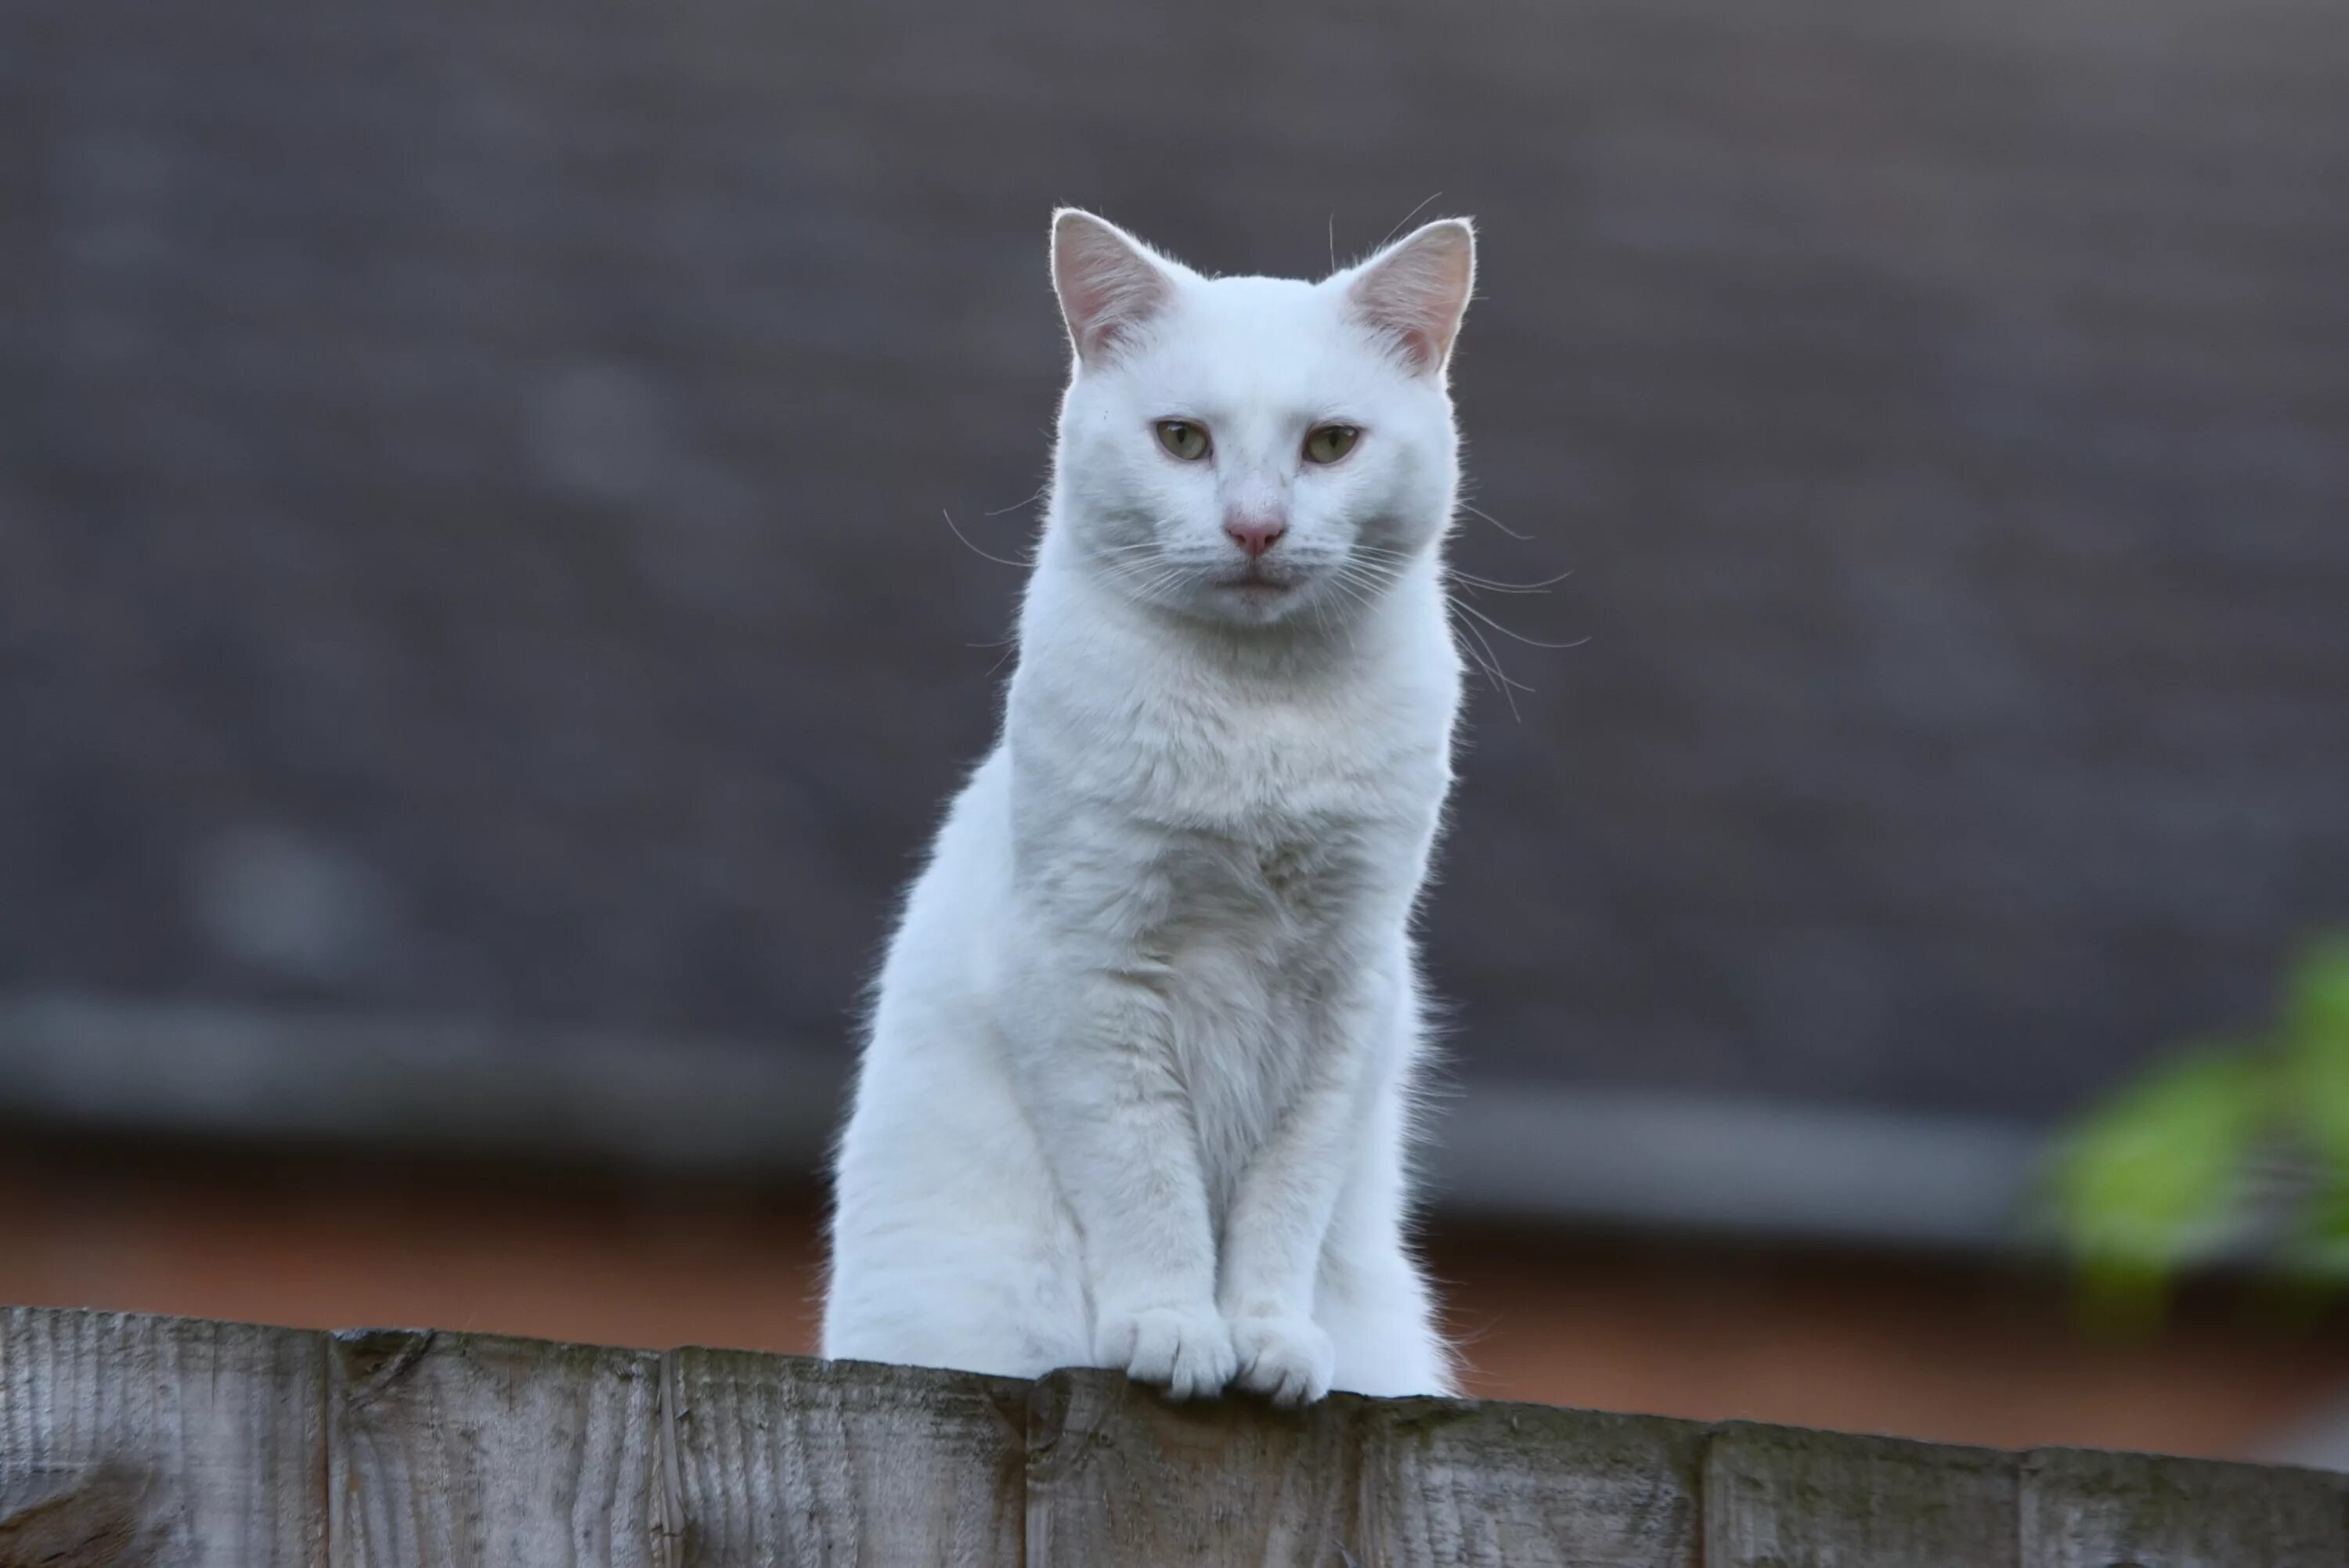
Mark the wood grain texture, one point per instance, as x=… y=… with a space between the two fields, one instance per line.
x=2086 y=1510
x=782 y=1462
x=476 y=1452
x=1117 y=1476
x=1778 y=1498
x=129 y=1439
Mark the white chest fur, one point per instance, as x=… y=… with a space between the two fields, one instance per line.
x=1241 y=829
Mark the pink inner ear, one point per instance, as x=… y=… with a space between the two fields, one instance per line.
x=1417 y=292
x=1108 y=287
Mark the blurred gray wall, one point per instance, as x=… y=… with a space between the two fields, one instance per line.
x=471 y=477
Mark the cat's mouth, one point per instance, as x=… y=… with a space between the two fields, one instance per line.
x=1252 y=584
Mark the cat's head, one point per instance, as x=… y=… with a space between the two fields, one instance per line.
x=1241 y=449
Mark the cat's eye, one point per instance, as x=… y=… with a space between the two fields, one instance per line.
x=1183 y=440
x=1327 y=443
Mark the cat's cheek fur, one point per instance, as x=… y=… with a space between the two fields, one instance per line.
x=1143 y=1063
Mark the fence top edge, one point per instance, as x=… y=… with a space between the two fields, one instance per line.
x=15 y=1320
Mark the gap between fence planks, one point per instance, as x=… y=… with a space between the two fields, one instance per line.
x=128 y=1440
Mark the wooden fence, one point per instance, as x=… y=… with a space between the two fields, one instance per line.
x=130 y=1441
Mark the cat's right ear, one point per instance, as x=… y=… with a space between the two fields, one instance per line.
x=1415 y=291
x=1110 y=283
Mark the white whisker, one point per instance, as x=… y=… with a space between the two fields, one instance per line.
x=1497 y=522
x=975 y=549
x=1490 y=663
x=1407 y=217
x=1520 y=636
x=1470 y=580
x=1017 y=505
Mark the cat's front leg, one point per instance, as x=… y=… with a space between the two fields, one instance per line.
x=1281 y=1212
x=1097 y=1069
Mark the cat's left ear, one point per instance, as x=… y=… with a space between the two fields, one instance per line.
x=1110 y=282
x=1416 y=291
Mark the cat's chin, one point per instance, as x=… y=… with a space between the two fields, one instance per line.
x=1256 y=591
x=1252 y=600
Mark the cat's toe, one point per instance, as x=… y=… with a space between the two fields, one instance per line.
x=1186 y=1352
x=1286 y=1359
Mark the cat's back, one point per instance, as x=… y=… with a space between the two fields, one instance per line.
x=942 y=956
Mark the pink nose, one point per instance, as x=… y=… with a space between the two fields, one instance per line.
x=1253 y=534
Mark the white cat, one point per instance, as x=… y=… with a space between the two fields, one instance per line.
x=1140 y=1077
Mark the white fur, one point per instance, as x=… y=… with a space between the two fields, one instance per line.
x=1140 y=1077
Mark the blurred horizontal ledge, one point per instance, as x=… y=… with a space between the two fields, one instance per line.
x=1541 y=1152
x=464 y=1084
x=2319 y=1441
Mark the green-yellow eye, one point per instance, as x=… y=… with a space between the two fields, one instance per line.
x=1327 y=443
x=1183 y=440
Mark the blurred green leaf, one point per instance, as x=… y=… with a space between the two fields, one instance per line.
x=2320 y=989
x=2316 y=1043
x=2163 y=1153
x=2146 y=1184
x=2144 y=1181
x=2318 y=1252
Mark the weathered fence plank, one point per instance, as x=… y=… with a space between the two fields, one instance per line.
x=1519 y=1484
x=1119 y=1476
x=788 y=1463
x=1778 y=1498
x=2083 y=1509
x=474 y=1452
x=128 y=1439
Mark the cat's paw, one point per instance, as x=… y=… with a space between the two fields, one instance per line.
x=1186 y=1351
x=1285 y=1358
